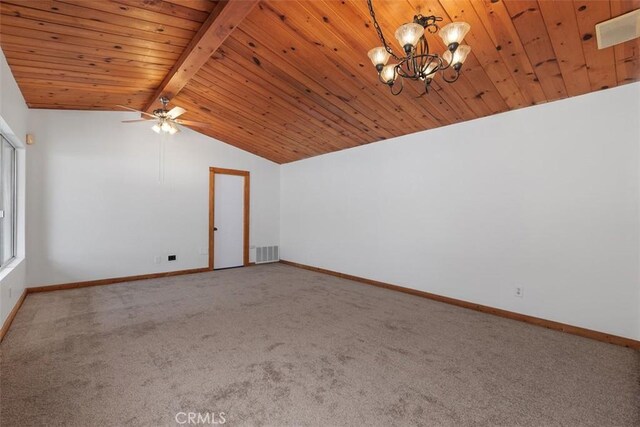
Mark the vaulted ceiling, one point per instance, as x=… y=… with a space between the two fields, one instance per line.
x=293 y=80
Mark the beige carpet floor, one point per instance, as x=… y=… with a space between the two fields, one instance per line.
x=277 y=345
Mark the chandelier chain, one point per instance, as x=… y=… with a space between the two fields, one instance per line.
x=379 y=31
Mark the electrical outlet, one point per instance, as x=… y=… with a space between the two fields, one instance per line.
x=157 y=259
x=519 y=292
x=171 y=258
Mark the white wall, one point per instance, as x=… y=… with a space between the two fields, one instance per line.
x=546 y=198
x=13 y=125
x=96 y=208
x=13 y=109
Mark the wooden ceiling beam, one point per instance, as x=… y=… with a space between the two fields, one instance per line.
x=224 y=18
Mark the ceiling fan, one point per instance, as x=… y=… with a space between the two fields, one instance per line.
x=166 y=121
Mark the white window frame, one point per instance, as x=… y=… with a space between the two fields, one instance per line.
x=14 y=216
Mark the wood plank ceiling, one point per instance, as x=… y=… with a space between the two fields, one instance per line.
x=88 y=54
x=293 y=79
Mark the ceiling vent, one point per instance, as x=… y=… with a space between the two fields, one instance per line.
x=618 y=30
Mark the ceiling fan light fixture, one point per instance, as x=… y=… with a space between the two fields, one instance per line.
x=165 y=126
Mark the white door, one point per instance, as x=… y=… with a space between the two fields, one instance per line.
x=228 y=239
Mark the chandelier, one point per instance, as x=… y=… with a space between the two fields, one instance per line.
x=418 y=63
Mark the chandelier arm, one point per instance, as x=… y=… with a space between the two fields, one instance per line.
x=420 y=61
x=423 y=55
x=414 y=65
x=399 y=90
x=432 y=27
x=452 y=79
x=379 y=31
x=401 y=72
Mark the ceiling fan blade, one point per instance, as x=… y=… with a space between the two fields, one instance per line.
x=176 y=111
x=195 y=124
x=137 y=111
x=134 y=121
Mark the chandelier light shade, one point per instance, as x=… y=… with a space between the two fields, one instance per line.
x=379 y=57
x=388 y=74
x=452 y=34
x=408 y=35
x=446 y=57
x=418 y=62
x=459 y=55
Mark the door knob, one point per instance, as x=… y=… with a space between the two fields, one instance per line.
x=215 y=228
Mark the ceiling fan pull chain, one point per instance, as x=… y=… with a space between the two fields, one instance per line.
x=161 y=147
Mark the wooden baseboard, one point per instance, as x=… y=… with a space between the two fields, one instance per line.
x=12 y=315
x=75 y=285
x=550 y=324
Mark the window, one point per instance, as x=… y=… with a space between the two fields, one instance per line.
x=7 y=202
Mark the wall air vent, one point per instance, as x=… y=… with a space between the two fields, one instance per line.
x=265 y=254
x=618 y=30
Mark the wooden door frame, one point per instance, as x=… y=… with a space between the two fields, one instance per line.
x=247 y=200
